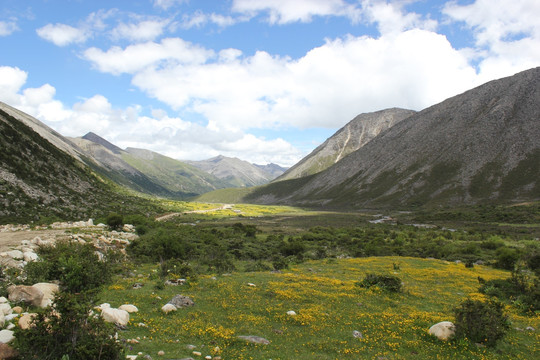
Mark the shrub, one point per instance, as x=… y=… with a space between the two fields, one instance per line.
x=178 y=269
x=386 y=282
x=257 y=266
x=75 y=265
x=115 y=221
x=481 y=322
x=507 y=258
x=67 y=330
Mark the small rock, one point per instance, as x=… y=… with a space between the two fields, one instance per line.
x=17 y=309
x=181 y=301
x=131 y=357
x=291 y=313
x=25 y=321
x=167 y=308
x=251 y=284
x=530 y=328
x=357 y=334
x=161 y=353
x=254 y=339
x=208 y=357
x=137 y=285
x=129 y=308
x=6 y=336
x=115 y=316
x=197 y=353
x=190 y=347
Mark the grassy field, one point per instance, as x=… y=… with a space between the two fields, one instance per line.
x=329 y=307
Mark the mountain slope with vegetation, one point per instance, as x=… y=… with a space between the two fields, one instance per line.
x=238 y=173
x=482 y=146
x=40 y=182
x=358 y=132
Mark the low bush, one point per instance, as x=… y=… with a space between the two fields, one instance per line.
x=67 y=330
x=386 y=282
x=481 y=322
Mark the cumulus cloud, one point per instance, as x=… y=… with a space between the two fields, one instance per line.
x=326 y=87
x=507 y=34
x=137 y=57
x=286 y=11
x=390 y=17
x=128 y=127
x=8 y=27
x=62 y=34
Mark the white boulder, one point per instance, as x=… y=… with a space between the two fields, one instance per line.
x=5 y=309
x=48 y=290
x=167 y=308
x=129 y=308
x=30 y=256
x=443 y=330
x=115 y=316
x=6 y=336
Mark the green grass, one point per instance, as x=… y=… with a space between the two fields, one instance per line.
x=329 y=307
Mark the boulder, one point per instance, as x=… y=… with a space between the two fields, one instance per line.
x=2 y=320
x=25 y=320
x=7 y=352
x=17 y=309
x=30 y=256
x=115 y=316
x=6 y=336
x=167 y=308
x=28 y=294
x=443 y=330
x=15 y=254
x=6 y=309
x=129 y=308
x=48 y=290
x=3 y=300
x=180 y=301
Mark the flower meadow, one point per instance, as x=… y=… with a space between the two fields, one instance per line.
x=333 y=318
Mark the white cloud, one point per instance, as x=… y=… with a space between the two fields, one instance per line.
x=390 y=17
x=142 y=31
x=327 y=87
x=8 y=27
x=139 y=56
x=170 y=136
x=199 y=19
x=166 y=4
x=62 y=34
x=507 y=33
x=287 y=11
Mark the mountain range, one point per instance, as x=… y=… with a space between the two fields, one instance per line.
x=482 y=146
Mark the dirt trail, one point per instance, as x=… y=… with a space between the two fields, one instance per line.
x=12 y=239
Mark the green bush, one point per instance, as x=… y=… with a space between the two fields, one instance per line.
x=481 y=322
x=115 y=221
x=178 y=269
x=507 y=258
x=76 y=266
x=67 y=330
x=386 y=282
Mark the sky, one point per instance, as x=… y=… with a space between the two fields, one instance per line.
x=262 y=80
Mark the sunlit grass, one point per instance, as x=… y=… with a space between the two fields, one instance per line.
x=329 y=307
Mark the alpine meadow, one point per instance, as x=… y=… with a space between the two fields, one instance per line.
x=268 y=179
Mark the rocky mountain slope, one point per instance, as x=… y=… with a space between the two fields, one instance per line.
x=238 y=173
x=42 y=175
x=348 y=139
x=146 y=171
x=482 y=146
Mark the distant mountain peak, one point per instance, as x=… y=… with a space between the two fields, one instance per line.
x=93 y=137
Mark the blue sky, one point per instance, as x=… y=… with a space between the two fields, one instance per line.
x=262 y=80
